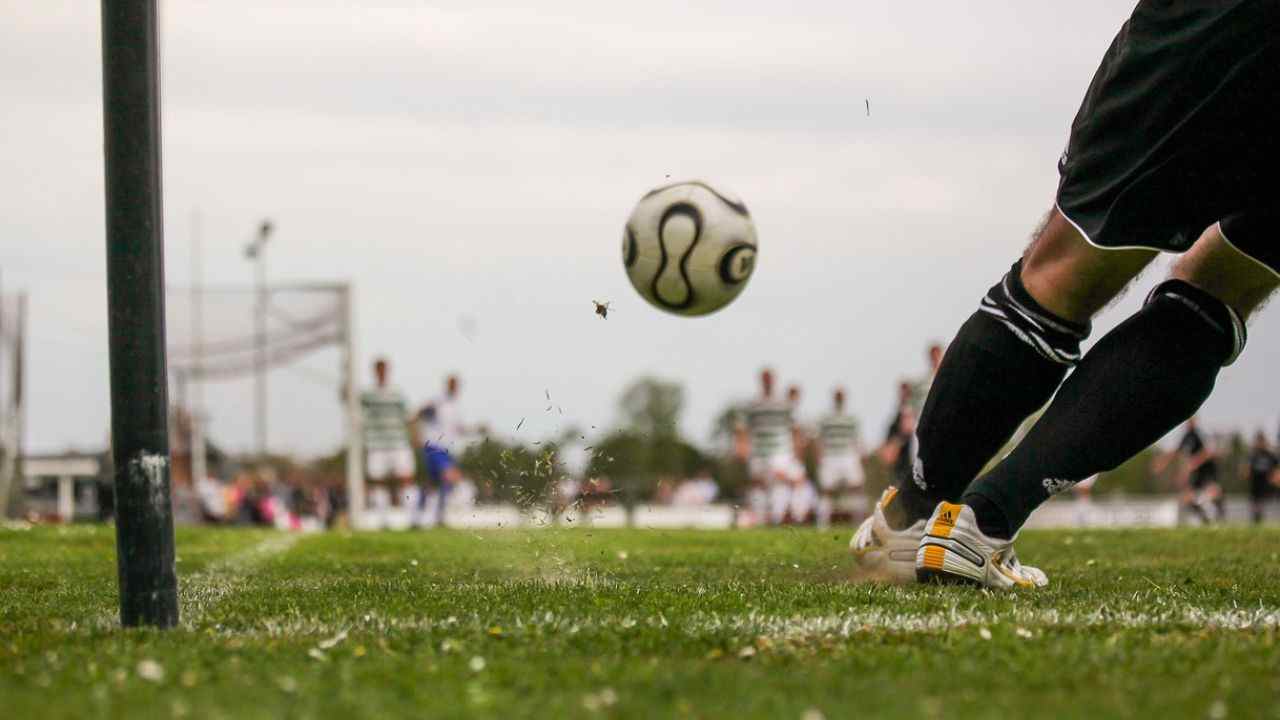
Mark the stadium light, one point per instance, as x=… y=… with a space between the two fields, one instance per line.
x=135 y=310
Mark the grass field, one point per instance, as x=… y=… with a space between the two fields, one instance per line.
x=582 y=623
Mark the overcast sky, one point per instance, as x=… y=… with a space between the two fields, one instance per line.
x=467 y=164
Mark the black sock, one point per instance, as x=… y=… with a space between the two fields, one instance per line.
x=1003 y=365
x=1147 y=375
x=991 y=519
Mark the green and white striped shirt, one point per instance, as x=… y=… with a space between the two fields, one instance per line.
x=385 y=417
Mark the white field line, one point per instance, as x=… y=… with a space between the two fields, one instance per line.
x=199 y=592
x=794 y=628
x=202 y=590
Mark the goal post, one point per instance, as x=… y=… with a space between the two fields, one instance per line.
x=135 y=313
x=12 y=401
x=354 y=418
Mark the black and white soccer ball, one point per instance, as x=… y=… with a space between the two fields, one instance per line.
x=689 y=248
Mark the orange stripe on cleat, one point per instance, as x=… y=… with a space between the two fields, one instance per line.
x=889 y=495
x=945 y=520
x=933 y=555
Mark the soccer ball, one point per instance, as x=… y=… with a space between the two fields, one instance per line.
x=689 y=248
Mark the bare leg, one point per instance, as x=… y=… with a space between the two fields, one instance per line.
x=1216 y=267
x=1073 y=279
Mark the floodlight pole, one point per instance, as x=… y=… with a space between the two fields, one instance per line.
x=256 y=251
x=135 y=312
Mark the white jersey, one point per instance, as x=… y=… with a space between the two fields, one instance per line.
x=441 y=424
x=769 y=425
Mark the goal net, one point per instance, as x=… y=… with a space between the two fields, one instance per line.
x=237 y=353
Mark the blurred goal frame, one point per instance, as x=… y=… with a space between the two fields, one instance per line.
x=13 y=331
x=194 y=366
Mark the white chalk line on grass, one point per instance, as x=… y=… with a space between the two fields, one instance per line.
x=200 y=591
x=792 y=628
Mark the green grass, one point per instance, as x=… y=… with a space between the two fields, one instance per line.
x=583 y=623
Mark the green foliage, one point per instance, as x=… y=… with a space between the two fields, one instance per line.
x=511 y=472
x=636 y=461
x=1134 y=477
x=647 y=448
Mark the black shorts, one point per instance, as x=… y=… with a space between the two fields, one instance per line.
x=1202 y=478
x=1259 y=487
x=1180 y=129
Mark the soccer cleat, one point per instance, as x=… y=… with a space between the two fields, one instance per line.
x=882 y=551
x=954 y=550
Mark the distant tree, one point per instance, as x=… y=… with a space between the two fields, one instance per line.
x=511 y=472
x=636 y=462
x=648 y=447
x=651 y=406
x=725 y=423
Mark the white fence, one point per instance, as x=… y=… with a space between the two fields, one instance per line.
x=1058 y=513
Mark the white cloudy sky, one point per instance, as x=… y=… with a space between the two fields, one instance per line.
x=472 y=159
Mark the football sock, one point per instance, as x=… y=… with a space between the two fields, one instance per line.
x=1003 y=365
x=1139 y=382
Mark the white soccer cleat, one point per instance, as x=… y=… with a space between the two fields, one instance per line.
x=882 y=551
x=954 y=550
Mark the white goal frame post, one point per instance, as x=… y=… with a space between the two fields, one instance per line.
x=198 y=361
x=13 y=330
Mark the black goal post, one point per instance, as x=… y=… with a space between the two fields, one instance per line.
x=135 y=310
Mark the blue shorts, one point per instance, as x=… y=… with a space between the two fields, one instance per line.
x=438 y=460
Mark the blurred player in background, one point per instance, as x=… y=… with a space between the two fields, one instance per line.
x=389 y=462
x=802 y=500
x=442 y=434
x=898 y=448
x=839 y=460
x=771 y=460
x=444 y=476
x=1083 y=491
x=920 y=387
x=440 y=420
x=1198 y=474
x=1262 y=474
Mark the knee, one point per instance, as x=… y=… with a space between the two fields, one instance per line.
x=1215 y=267
x=1053 y=337
x=1195 y=305
x=1072 y=278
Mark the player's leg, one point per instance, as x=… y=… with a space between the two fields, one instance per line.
x=828 y=484
x=405 y=467
x=1149 y=374
x=757 y=491
x=1008 y=358
x=1084 y=501
x=800 y=506
x=779 y=498
x=826 y=506
x=450 y=476
x=1189 y=503
x=1257 y=498
x=1213 y=493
